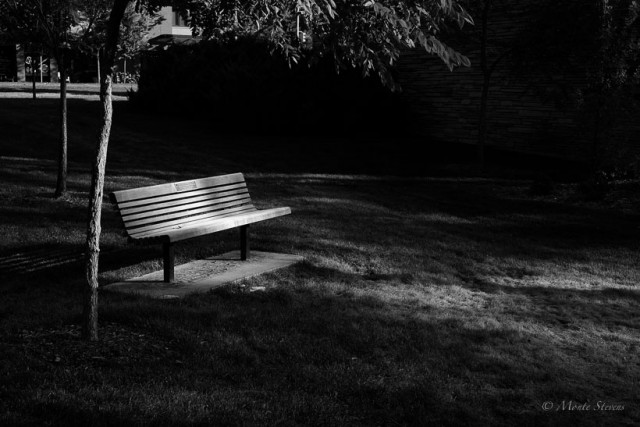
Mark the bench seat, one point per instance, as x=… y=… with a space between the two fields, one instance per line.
x=212 y=225
x=173 y=212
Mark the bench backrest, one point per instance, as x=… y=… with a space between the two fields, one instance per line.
x=150 y=210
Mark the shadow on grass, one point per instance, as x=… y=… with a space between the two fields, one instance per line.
x=43 y=259
x=31 y=265
x=364 y=333
x=310 y=356
x=303 y=352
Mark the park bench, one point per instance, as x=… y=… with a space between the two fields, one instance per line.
x=169 y=213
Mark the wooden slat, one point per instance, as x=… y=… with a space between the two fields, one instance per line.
x=162 y=231
x=216 y=224
x=178 y=211
x=162 y=189
x=185 y=208
x=187 y=222
x=177 y=196
x=182 y=201
x=173 y=216
x=183 y=221
x=227 y=223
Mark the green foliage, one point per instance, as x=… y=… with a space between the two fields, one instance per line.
x=74 y=24
x=45 y=23
x=239 y=85
x=362 y=34
x=56 y=24
x=136 y=23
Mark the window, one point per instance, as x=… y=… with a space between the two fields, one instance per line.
x=179 y=20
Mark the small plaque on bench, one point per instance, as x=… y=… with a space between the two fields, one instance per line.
x=185 y=186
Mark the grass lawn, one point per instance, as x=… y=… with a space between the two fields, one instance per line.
x=421 y=301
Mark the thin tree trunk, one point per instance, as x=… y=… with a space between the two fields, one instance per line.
x=33 y=80
x=90 y=324
x=61 y=185
x=90 y=327
x=595 y=137
x=486 y=81
x=98 y=61
x=482 y=125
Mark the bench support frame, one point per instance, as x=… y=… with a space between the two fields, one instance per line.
x=168 y=258
x=244 y=242
x=168 y=254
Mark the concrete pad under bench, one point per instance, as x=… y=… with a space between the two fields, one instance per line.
x=203 y=275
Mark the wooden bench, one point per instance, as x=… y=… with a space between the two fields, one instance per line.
x=169 y=213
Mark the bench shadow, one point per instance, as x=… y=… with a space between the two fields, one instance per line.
x=28 y=265
x=40 y=260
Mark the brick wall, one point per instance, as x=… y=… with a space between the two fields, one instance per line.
x=447 y=103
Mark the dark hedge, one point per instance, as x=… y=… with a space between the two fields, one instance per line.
x=241 y=86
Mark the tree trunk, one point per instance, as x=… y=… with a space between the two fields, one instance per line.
x=98 y=61
x=482 y=122
x=596 y=160
x=90 y=329
x=486 y=81
x=33 y=80
x=90 y=324
x=61 y=185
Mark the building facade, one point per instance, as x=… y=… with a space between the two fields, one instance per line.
x=174 y=28
x=21 y=63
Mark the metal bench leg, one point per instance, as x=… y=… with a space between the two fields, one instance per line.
x=244 y=242
x=167 y=259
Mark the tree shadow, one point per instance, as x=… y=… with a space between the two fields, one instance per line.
x=380 y=364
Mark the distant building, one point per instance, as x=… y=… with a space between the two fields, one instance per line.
x=20 y=63
x=8 y=64
x=174 y=29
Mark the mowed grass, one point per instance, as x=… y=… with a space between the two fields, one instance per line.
x=421 y=301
